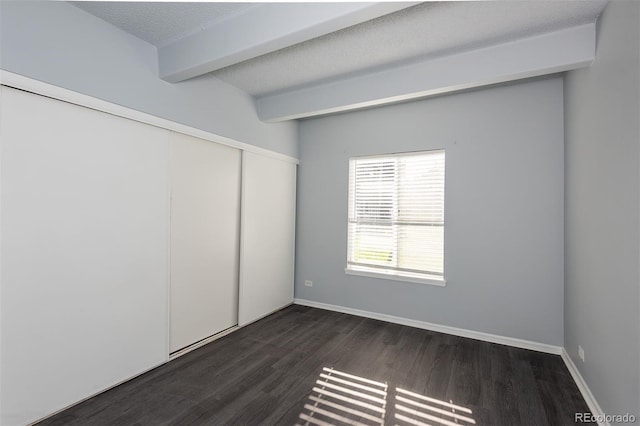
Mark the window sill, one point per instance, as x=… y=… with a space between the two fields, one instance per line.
x=430 y=281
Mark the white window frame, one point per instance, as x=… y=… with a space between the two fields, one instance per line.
x=395 y=274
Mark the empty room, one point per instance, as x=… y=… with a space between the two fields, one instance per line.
x=339 y=213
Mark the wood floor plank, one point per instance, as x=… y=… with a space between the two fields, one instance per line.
x=269 y=373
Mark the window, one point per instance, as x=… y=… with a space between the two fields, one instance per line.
x=396 y=217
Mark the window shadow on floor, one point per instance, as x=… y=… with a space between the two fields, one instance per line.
x=339 y=398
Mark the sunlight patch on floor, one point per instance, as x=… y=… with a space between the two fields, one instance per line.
x=339 y=398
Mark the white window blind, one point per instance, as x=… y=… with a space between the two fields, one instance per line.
x=396 y=215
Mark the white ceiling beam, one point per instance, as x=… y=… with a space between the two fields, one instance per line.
x=261 y=30
x=528 y=57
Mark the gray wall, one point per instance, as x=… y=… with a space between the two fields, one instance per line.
x=602 y=194
x=503 y=209
x=60 y=44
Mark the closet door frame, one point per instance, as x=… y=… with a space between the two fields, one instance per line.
x=19 y=82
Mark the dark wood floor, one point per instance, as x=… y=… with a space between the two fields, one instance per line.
x=309 y=366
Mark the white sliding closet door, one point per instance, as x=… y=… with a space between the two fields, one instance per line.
x=84 y=261
x=268 y=236
x=205 y=231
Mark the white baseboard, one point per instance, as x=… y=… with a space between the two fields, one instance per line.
x=486 y=337
x=584 y=389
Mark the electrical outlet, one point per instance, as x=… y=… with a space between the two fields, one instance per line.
x=308 y=283
x=581 y=353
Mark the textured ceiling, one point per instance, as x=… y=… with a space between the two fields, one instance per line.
x=426 y=30
x=160 y=23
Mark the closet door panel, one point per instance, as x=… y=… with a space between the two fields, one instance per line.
x=84 y=264
x=205 y=215
x=268 y=236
